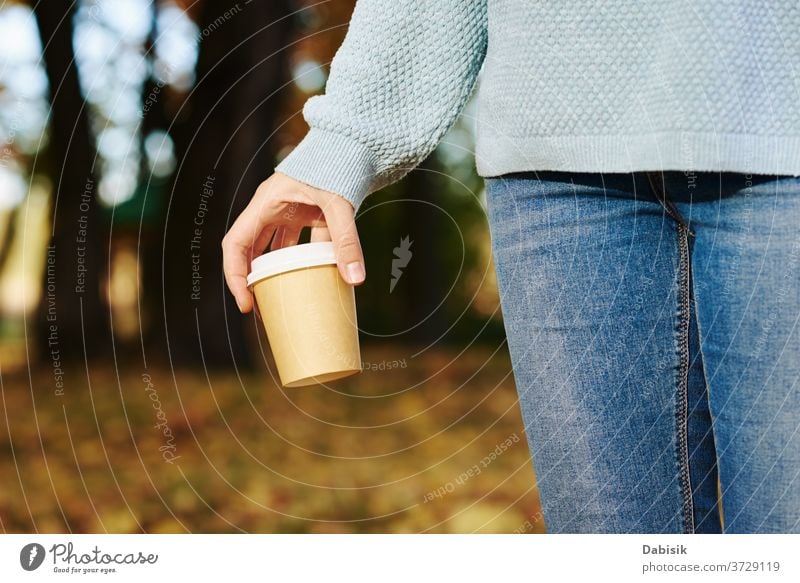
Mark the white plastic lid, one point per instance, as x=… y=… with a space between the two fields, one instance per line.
x=291 y=258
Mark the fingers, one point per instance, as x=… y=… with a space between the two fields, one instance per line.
x=261 y=242
x=320 y=234
x=292 y=235
x=282 y=207
x=339 y=217
x=277 y=242
x=286 y=236
x=246 y=233
x=236 y=254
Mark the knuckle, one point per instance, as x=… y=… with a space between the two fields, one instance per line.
x=264 y=192
x=348 y=243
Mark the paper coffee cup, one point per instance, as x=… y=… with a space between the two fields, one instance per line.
x=309 y=313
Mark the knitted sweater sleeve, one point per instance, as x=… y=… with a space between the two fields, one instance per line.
x=398 y=82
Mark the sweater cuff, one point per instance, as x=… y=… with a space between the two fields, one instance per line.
x=332 y=162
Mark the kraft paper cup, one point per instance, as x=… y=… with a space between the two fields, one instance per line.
x=309 y=313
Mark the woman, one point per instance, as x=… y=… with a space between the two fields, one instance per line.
x=641 y=161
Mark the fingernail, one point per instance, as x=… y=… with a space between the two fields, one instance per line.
x=238 y=305
x=355 y=272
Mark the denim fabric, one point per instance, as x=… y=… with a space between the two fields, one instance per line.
x=652 y=321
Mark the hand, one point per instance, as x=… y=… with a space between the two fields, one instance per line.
x=283 y=206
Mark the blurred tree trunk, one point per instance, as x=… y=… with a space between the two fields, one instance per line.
x=73 y=313
x=224 y=152
x=155 y=116
x=8 y=234
x=424 y=290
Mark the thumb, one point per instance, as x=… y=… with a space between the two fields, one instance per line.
x=340 y=219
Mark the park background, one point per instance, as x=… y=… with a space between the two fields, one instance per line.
x=135 y=397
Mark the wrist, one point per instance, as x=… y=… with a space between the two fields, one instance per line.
x=334 y=163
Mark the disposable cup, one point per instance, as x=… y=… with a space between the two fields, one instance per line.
x=309 y=314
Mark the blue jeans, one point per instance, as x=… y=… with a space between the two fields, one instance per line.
x=652 y=321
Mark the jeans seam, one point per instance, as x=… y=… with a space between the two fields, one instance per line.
x=682 y=395
x=720 y=509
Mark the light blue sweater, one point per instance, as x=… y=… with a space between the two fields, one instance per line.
x=573 y=85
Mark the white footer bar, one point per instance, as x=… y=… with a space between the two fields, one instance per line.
x=400 y=558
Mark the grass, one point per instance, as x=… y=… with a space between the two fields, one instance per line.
x=407 y=449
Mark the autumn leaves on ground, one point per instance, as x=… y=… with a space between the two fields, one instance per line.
x=431 y=442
